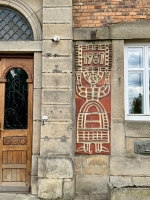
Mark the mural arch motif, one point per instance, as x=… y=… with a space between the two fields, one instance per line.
x=93 y=102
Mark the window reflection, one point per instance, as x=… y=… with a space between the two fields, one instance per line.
x=149 y=91
x=135 y=58
x=149 y=57
x=135 y=92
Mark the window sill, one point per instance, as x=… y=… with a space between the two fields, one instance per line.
x=141 y=118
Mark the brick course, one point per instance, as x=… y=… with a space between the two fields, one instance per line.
x=97 y=13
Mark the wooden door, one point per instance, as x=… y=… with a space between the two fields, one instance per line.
x=16 y=88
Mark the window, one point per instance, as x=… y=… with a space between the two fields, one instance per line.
x=14 y=26
x=137 y=82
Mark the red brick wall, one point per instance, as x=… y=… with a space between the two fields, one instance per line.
x=97 y=13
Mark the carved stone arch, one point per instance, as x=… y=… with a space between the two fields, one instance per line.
x=20 y=67
x=28 y=13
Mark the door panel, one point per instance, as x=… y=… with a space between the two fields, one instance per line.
x=15 y=139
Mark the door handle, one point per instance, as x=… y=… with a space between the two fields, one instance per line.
x=1 y=129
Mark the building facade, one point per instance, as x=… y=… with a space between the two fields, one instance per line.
x=79 y=124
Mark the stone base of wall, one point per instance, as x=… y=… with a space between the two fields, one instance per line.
x=134 y=193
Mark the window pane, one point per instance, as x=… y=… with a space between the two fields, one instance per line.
x=135 y=92
x=14 y=26
x=149 y=92
x=149 y=57
x=135 y=56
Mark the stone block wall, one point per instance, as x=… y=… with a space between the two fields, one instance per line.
x=58 y=170
x=92 y=174
x=123 y=168
x=55 y=163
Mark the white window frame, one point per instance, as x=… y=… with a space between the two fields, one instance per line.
x=146 y=70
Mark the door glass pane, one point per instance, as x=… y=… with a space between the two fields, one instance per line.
x=135 y=57
x=16 y=100
x=135 y=93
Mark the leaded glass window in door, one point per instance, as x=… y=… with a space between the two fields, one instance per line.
x=16 y=99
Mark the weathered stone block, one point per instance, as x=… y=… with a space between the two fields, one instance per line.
x=91 y=184
x=128 y=193
x=85 y=33
x=36 y=137
x=37 y=104
x=57 y=81
x=36 y=7
x=95 y=165
x=121 y=181
x=34 y=170
x=21 y=46
x=57 y=96
x=117 y=137
x=63 y=48
x=56 y=130
x=137 y=129
x=55 y=168
x=39 y=15
x=63 y=30
x=127 y=181
x=55 y=146
x=57 y=112
x=57 y=15
x=34 y=185
x=130 y=143
x=68 y=189
x=141 y=181
x=117 y=83
x=6 y=2
x=131 y=30
x=37 y=70
x=57 y=3
x=50 y=188
x=78 y=164
x=117 y=59
x=117 y=96
x=130 y=165
x=57 y=65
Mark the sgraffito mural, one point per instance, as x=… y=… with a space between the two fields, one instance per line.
x=93 y=98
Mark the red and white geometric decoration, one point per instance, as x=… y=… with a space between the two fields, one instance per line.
x=93 y=98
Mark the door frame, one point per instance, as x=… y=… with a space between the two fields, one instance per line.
x=21 y=59
x=26 y=47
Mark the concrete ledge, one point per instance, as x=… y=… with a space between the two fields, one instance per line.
x=129 y=30
x=128 y=193
x=86 y=33
x=21 y=46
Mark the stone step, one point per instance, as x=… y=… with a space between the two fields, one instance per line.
x=91 y=197
x=12 y=196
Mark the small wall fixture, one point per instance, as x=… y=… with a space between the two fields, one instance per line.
x=44 y=118
x=56 y=39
